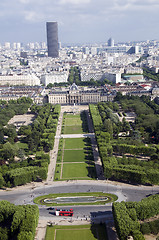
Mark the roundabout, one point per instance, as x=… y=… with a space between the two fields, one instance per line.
x=93 y=198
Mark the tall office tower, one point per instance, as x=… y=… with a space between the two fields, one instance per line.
x=111 y=42
x=52 y=39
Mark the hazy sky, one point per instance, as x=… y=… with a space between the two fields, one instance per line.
x=79 y=20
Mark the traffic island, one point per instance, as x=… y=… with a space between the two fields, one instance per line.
x=70 y=199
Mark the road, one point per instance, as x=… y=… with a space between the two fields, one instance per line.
x=124 y=192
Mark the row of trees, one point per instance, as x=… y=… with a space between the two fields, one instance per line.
x=132 y=149
x=148 y=73
x=130 y=173
x=20 y=173
x=128 y=214
x=39 y=136
x=18 y=222
x=74 y=75
x=121 y=169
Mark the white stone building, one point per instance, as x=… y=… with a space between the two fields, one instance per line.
x=55 y=77
x=28 y=80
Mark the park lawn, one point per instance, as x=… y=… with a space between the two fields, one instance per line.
x=74 y=156
x=76 y=129
x=72 y=121
x=71 y=115
x=75 y=171
x=73 y=143
x=78 y=232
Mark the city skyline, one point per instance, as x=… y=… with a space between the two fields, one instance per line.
x=80 y=21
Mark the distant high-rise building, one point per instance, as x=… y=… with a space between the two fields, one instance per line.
x=111 y=42
x=7 y=45
x=52 y=39
x=18 y=45
x=43 y=45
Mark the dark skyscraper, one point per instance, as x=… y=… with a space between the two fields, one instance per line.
x=52 y=39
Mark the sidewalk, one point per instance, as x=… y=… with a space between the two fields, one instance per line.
x=54 y=152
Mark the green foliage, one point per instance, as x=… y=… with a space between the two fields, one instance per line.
x=126 y=169
x=148 y=73
x=148 y=207
x=126 y=216
x=1 y=181
x=151 y=227
x=74 y=75
x=9 y=151
x=145 y=228
x=124 y=224
x=3 y=233
x=20 y=176
x=19 y=222
x=25 y=235
x=137 y=235
x=132 y=149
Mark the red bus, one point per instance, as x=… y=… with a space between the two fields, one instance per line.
x=60 y=212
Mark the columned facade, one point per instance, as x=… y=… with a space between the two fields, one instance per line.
x=74 y=95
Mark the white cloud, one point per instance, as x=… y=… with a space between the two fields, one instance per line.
x=75 y=2
x=24 y=1
x=32 y=16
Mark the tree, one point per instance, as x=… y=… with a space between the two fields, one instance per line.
x=107 y=126
x=10 y=131
x=1 y=181
x=118 y=97
x=9 y=151
x=125 y=125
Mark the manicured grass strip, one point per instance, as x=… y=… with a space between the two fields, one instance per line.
x=73 y=129
x=77 y=234
x=67 y=115
x=74 y=156
x=75 y=170
x=50 y=232
x=40 y=199
x=72 y=143
x=72 y=121
x=74 y=124
x=57 y=172
x=84 y=232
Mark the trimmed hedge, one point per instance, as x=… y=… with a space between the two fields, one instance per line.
x=127 y=214
x=20 y=176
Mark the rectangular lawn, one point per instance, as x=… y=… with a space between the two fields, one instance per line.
x=75 y=234
x=76 y=129
x=75 y=170
x=78 y=232
x=71 y=115
x=73 y=143
x=72 y=121
x=74 y=156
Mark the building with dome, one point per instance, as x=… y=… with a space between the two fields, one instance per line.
x=79 y=95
